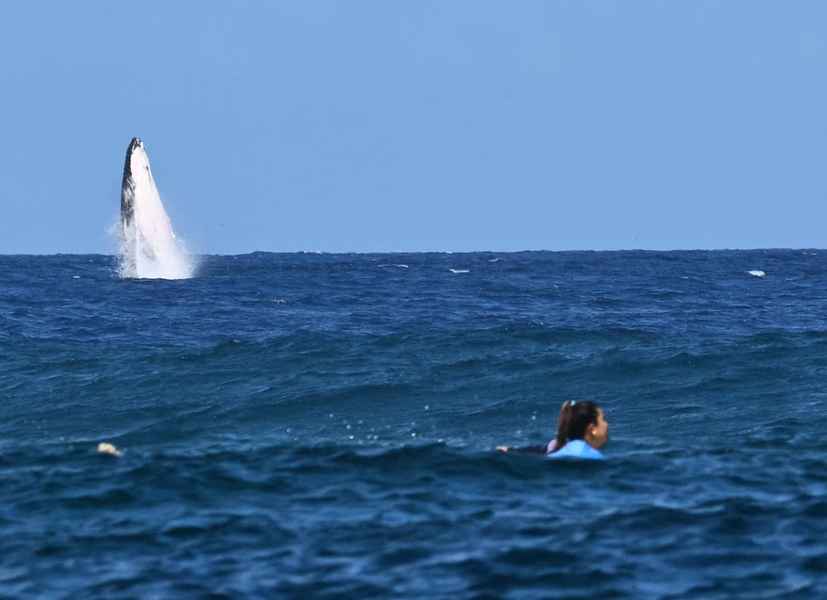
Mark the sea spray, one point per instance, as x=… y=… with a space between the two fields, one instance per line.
x=149 y=248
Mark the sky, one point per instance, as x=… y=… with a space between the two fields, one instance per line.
x=458 y=125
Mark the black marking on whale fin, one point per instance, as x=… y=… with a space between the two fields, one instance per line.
x=128 y=185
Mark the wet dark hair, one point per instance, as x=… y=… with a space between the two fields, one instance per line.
x=575 y=418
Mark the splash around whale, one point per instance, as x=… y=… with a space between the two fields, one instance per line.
x=149 y=248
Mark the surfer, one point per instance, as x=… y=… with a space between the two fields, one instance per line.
x=581 y=431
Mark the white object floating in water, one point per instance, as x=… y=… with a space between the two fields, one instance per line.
x=457 y=271
x=106 y=448
x=757 y=273
x=75 y=276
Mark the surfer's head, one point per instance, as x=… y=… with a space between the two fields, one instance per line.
x=582 y=420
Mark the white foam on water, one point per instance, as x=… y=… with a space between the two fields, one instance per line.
x=458 y=271
x=149 y=247
x=757 y=273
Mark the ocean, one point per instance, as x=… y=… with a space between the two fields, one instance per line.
x=324 y=425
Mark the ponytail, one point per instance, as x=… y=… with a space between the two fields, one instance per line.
x=575 y=418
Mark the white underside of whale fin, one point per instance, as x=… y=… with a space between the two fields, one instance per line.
x=149 y=247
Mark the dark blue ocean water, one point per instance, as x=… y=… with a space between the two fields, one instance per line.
x=298 y=425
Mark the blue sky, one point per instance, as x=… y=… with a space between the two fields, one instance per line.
x=429 y=125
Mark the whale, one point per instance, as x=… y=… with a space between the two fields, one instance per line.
x=149 y=246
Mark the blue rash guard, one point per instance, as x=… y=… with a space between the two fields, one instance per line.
x=577 y=449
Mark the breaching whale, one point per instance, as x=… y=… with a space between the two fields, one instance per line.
x=149 y=248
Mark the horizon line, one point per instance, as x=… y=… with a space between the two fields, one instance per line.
x=524 y=251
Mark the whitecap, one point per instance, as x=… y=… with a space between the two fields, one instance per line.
x=458 y=271
x=757 y=273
